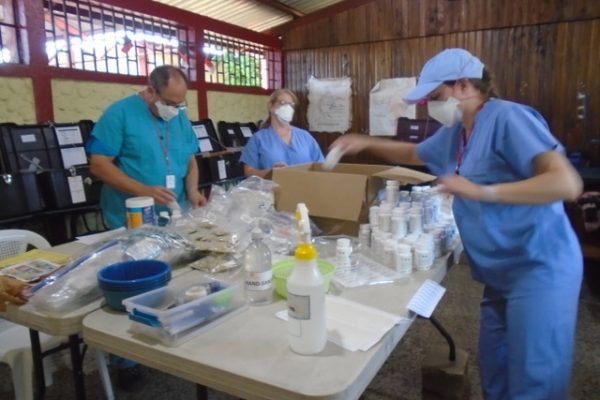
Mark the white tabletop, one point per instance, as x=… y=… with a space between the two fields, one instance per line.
x=248 y=354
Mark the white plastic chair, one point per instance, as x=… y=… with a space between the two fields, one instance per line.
x=15 y=345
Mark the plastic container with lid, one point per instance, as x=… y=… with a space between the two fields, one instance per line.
x=140 y=211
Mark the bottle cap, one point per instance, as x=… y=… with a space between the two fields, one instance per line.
x=306 y=252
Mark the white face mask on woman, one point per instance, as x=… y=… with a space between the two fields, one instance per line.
x=285 y=113
x=166 y=112
x=446 y=112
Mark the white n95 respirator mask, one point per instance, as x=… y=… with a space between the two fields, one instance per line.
x=166 y=112
x=446 y=112
x=285 y=113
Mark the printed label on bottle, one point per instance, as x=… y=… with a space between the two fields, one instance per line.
x=298 y=306
x=258 y=280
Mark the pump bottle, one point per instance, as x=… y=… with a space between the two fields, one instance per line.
x=306 y=294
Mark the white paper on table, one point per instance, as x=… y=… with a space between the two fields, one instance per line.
x=427 y=298
x=386 y=105
x=352 y=325
x=76 y=189
x=73 y=156
x=66 y=135
x=98 y=237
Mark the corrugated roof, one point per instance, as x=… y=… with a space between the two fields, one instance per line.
x=250 y=14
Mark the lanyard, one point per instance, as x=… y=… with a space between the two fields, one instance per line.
x=461 y=148
x=465 y=136
x=164 y=142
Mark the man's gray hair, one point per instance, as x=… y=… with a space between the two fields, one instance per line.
x=159 y=77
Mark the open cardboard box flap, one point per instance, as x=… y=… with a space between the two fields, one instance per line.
x=343 y=193
x=405 y=175
x=339 y=193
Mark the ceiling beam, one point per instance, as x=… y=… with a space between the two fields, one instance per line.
x=282 y=7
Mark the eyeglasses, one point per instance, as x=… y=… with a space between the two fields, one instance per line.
x=283 y=103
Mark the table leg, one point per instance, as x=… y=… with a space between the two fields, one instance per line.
x=38 y=364
x=201 y=392
x=77 y=365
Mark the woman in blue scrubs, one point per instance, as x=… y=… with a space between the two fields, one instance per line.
x=278 y=143
x=509 y=177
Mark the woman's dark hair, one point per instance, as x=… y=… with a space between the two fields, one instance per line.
x=485 y=85
x=159 y=77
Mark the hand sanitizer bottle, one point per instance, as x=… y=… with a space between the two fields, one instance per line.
x=306 y=294
x=257 y=271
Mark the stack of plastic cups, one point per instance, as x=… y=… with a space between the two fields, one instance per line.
x=403 y=258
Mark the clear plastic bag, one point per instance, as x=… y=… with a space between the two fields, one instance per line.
x=76 y=285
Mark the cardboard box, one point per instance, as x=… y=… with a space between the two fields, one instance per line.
x=338 y=200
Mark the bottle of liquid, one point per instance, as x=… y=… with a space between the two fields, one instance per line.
x=343 y=253
x=306 y=294
x=258 y=274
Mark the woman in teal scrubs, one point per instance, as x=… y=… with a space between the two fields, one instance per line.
x=509 y=177
x=278 y=143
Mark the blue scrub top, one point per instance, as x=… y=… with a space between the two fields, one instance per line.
x=129 y=132
x=266 y=148
x=514 y=249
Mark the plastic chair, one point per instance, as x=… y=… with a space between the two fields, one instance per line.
x=15 y=345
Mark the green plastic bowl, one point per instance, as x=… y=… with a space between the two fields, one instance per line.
x=283 y=269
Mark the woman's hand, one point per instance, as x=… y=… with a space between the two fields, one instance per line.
x=279 y=165
x=352 y=143
x=462 y=187
x=11 y=291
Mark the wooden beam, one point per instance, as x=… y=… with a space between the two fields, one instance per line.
x=282 y=7
x=317 y=15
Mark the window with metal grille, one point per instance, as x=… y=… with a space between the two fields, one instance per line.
x=11 y=50
x=92 y=36
x=232 y=61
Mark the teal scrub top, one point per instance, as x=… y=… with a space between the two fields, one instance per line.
x=513 y=248
x=138 y=140
x=266 y=148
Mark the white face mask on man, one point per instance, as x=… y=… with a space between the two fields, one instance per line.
x=446 y=112
x=285 y=113
x=166 y=112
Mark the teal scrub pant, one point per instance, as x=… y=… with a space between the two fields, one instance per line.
x=526 y=344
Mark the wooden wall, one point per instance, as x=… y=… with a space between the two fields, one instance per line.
x=541 y=53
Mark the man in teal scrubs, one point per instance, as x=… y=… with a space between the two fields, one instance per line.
x=144 y=145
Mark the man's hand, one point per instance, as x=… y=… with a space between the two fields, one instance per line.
x=160 y=194
x=196 y=199
x=11 y=291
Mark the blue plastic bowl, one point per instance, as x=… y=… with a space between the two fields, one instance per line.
x=129 y=278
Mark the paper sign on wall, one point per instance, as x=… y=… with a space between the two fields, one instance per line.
x=329 y=104
x=67 y=135
x=73 y=156
x=386 y=105
x=76 y=189
x=200 y=131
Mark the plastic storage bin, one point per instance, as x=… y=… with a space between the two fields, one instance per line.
x=165 y=315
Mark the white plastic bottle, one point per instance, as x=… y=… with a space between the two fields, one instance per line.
x=258 y=275
x=307 y=329
x=343 y=253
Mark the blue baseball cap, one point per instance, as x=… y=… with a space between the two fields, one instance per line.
x=449 y=65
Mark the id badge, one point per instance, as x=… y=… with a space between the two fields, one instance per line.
x=171 y=182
